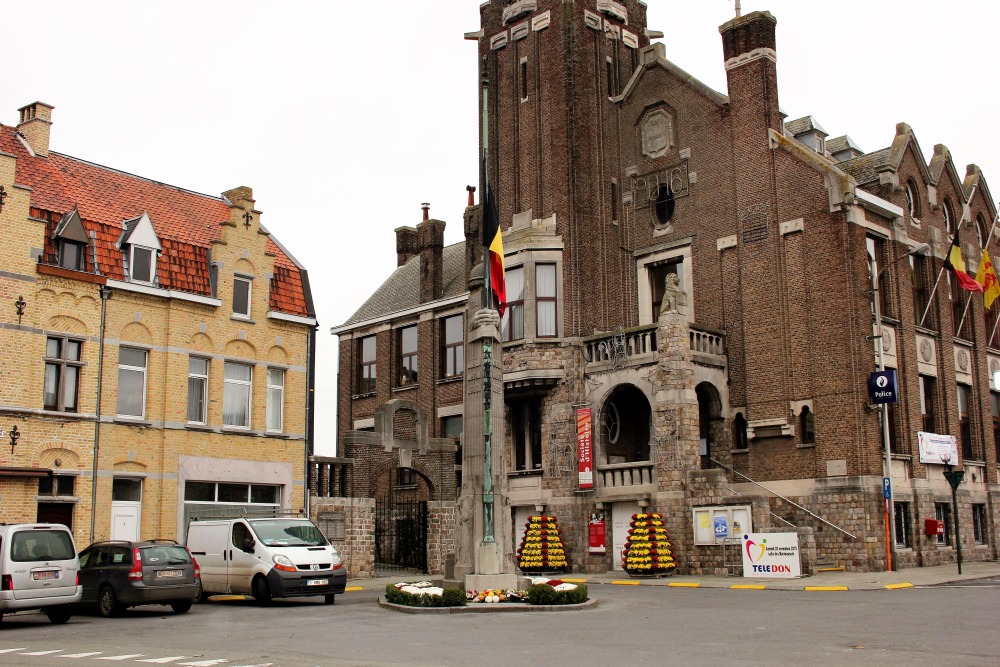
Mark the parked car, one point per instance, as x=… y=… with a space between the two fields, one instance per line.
x=117 y=575
x=38 y=570
x=266 y=558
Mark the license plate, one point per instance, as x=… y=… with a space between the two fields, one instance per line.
x=169 y=573
x=317 y=582
x=39 y=576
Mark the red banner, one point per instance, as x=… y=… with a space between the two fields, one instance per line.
x=597 y=534
x=585 y=454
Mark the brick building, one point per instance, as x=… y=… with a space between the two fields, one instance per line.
x=696 y=271
x=160 y=344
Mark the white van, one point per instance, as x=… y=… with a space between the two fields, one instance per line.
x=39 y=569
x=265 y=558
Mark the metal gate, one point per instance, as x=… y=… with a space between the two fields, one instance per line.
x=400 y=536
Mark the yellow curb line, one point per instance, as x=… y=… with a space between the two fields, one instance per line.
x=354 y=588
x=227 y=598
x=622 y=583
x=830 y=569
x=681 y=584
x=893 y=587
x=574 y=581
x=748 y=587
x=826 y=588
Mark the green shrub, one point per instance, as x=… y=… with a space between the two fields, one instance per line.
x=577 y=595
x=547 y=595
x=451 y=597
x=454 y=597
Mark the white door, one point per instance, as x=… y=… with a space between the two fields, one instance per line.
x=125 y=520
x=621 y=517
x=521 y=515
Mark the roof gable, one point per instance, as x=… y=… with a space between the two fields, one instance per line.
x=70 y=228
x=139 y=232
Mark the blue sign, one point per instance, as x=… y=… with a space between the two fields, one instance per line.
x=886 y=488
x=882 y=386
x=721 y=527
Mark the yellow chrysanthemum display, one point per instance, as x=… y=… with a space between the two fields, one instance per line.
x=647 y=549
x=542 y=547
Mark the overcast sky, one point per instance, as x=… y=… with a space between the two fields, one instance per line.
x=344 y=116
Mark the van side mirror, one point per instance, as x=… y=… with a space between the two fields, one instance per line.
x=248 y=545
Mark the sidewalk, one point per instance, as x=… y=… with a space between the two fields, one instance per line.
x=823 y=581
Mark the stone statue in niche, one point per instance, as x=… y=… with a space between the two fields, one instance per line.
x=673 y=296
x=657 y=134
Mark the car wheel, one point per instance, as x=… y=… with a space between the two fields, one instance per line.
x=181 y=607
x=107 y=603
x=200 y=597
x=59 y=615
x=262 y=591
x=330 y=599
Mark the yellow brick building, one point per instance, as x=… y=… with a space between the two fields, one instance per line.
x=152 y=338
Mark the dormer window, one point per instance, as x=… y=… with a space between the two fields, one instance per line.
x=72 y=256
x=141 y=265
x=241 y=296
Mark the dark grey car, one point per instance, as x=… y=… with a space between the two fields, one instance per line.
x=118 y=575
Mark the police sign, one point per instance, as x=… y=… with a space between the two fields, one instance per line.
x=882 y=386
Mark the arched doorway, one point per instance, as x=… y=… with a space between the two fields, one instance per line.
x=625 y=425
x=711 y=427
x=401 y=520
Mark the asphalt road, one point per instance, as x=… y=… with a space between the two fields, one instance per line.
x=632 y=625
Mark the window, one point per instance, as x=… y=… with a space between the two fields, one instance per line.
x=992 y=319
x=366 y=367
x=807 y=425
x=213 y=279
x=903 y=525
x=979 y=524
x=614 y=200
x=408 y=361
x=197 y=391
x=657 y=280
x=918 y=280
x=241 y=296
x=876 y=263
x=453 y=352
x=545 y=299
x=961 y=317
x=131 y=382
x=949 y=215
x=406 y=477
x=890 y=412
x=927 y=400
x=72 y=255
x=526 y=433
x=236 y=393
x=141 y=266
x=275 y=399
x=942 y=512
x=126 y=489
x=981 y=232
x=740 y=440
x=524 y=79
x=965 y=420
x=610 y=77
x=912 y=203
x=451 y=427
x=62 y=374
x=513 y=317
x=995 y=410
x=56 y=485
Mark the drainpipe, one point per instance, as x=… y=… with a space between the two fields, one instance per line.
x=310 y=410
x=105 y=293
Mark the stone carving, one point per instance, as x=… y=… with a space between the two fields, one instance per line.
x=886 y=339
x=657 y=134
x=673 y=296
x=926 y=350
x=963 y=361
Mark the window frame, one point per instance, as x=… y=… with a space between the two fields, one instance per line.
x=128 y=368
x=526 y=418
x=407 y=358
x=912 y=201
x=81 y=259
x=248 y=281
x=965 y=421
x=452 y=351
x=995 y=413
x=547 y=299
x=367 y=369
x=272 y=390
x=918 y=286
x=132 y=264
x=227 y=383
x=948 y=213
x=203 y=378
x=979 y=524
x=513 y=306
x=928 y=403
x=903 y=524
x=807 y=424
x=878 y=261
x=62 y=364
x=942 y=512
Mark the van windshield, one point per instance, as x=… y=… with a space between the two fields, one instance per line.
x=32 y=545
x=288 y=533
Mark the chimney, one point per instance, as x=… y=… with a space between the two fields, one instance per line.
x=35 y=125
x=430 y=235
x=473 y=234
x=406 y=245
x=748 y=44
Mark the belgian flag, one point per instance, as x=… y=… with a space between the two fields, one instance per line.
x=957 y=265
x=493 y=244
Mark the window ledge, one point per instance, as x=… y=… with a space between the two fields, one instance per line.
x=199 y=427
x=369 y=394
x=57 y=499
x=408 y=387
x=740 y=451
x=131 y=421
x=239 y=430
x=451 y=378
x=901 y=457
x=241 y=318
x=525 y=473
x=975 y=462
x=276 y=434
x=806 y=445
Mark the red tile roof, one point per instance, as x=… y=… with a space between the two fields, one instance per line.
x=185 y=222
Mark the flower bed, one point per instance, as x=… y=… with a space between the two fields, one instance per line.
x=647 y=549
x=424 y=594
x=543 y=591
x=542 y=548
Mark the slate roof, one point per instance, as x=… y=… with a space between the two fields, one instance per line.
x=803 y=125
x=186 y=222
x=401 y=290
x=865 y=169
x=841 y=143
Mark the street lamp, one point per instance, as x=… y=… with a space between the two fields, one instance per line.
x=890 y=510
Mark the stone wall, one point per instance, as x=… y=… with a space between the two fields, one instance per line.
x=357 y=541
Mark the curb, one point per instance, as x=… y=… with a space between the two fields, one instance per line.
x=479 y=608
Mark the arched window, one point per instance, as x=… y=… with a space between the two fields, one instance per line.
x=912 y=203
x=949 y=215
x=807 y=426
x=740 y=440
x=981 y=230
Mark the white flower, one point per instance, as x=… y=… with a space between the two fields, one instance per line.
x=566 y=587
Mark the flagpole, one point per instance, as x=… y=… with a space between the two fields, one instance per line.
x=930 y=300
x=965 y=210
x=488 y=534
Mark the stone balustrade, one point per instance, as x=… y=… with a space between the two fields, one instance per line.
x=626 y=475
x=330 y=477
